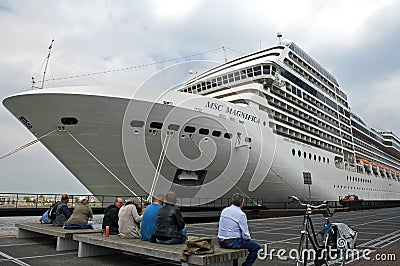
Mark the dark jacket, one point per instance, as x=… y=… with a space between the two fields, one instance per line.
x=111 y=219
x=170 y=223
x=62 y=213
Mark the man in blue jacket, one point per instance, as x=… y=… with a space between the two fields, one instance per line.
x=149 y=219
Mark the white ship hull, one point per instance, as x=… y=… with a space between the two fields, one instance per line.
x=111 y=157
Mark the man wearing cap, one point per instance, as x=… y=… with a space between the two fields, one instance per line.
x=81 y=214
x=150 y=216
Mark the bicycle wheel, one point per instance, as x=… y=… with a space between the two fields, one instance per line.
x=303 y=247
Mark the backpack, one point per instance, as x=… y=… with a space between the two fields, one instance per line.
x=52 y=211
x=45 y=219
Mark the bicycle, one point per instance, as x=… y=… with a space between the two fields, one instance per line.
x=325 y=249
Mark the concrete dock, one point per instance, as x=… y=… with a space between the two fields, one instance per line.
x=378 y=231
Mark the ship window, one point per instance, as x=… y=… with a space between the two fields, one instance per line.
x=305 y=155
x=299 y=153
x=249 y=72
x=315 y=157
x=173 y=127
x=219 y=81
x=156 y=125
x=203 y=86
x=257 y=71
x=204 y=131
x=224 y=79
x=293 y=152
x=319 y=158
x=214 y=83
x=189 y=129
x=299 y=93
x=216 y=133
x=230 y=77
x=266 y=70
x=137 y=123
x=208 y=84
x=237 y=75
x=247 y=139
x=198 y=87
x=323 y=159
x=327 y=160
x=243 y=74
x=309 y=156
x=273 y=70
x=228 y=135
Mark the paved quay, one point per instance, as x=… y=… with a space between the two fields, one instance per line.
x=378 y=231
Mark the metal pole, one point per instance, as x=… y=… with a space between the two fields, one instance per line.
x=47 y=61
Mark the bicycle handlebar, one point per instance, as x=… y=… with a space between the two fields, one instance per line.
x=294 y=198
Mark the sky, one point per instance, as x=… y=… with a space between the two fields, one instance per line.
x=357 y=41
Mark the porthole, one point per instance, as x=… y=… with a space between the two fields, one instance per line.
x=228 y=135
x=293 y=152
x=173 y=127
x=323 y=159
x=315 y=157
x=156 y=125
x=216 y=133
x=305 y=155
x=137 y=123
x=319 y=158
x=69 y=121
x=310 y=156
x=204 y=131
x=189 y=129
x=299 y=153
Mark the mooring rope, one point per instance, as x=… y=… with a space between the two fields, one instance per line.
x=26 y=145
x=97 y=160
x=159 y=164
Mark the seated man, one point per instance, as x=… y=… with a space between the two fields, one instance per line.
x=150 y=216
x=62 y=211
x=233 y=231
x=111 y=216
x=81 y=215
x=170 y=225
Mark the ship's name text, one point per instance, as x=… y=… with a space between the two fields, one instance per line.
x=232 y=111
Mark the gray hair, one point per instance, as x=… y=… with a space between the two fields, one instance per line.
x=237 y=199
x=170 y=198
x=159 y=197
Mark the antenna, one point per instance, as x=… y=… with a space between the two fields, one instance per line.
x=279 y=35
x=47 y=61
x=223 y=48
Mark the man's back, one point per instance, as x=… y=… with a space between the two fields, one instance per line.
x=233 y=224
x=149 y=221
x=111 y=219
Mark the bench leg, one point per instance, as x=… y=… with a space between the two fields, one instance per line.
x=88 y=250
x=22 y=233
x=64 y=244
x=226 y=263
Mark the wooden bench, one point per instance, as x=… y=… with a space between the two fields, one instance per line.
x=97 y=244
x=64 y=237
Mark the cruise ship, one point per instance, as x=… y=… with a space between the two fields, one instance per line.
x=269 y=124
